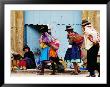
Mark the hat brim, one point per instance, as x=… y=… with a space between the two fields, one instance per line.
x=68 y=29
x=87 y=23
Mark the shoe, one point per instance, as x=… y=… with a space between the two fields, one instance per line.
x=41 y=73
x=52 y=74
x=93 y=76
x=79 y=71
x=88 y=76
x=75 y=73
x=72 y=73
x=98 y=75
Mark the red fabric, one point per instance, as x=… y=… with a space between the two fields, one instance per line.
x=76 y=37
x=22 y=63
x=55 y=44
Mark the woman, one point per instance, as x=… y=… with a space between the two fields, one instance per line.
x=53 y=55
x=29 y=57
x=44 y=57
x=73 y=52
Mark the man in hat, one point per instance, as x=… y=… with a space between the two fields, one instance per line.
x=92 y=40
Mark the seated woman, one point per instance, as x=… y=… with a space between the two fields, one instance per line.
x=29 y=58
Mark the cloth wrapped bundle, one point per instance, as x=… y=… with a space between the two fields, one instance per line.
x=43 y=45
x=55 y=44
x=22 y=63
x=48 y=40
x=52 y=53
x=76 y=38
x=45 y=38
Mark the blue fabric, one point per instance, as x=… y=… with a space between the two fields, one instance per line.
x=38 y=60
x=73 y=53
x=29 y=63
x=44 y=54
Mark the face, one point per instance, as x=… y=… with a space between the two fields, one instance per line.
x=88 y=26
x=70 y=31
x=26 y=50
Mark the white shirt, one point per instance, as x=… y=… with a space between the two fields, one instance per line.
x=95 y=36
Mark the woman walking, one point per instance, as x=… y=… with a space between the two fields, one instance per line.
x=73 y=52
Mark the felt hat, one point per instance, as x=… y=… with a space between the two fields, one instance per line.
x=85 y=22
x=68 y=28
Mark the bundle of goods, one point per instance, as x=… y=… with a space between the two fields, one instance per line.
x=15 y=61
x=55 y=44
x=49 y=40
x=76 y=38
x=22 y=64
x=45 y=38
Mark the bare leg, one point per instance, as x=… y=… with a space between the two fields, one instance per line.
x=75 y=68
x=78 y=69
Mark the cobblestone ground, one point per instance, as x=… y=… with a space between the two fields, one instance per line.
x=35 y=72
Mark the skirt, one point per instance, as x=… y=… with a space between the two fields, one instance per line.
x=73 y=54
x=44 y=54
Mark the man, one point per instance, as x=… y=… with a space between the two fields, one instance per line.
x=92 y=40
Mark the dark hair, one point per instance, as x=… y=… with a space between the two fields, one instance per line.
x=26 y=48
x=86 y=24
x=43 y=28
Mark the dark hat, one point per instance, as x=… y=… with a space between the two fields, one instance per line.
x=85 y=22
x=68 y=28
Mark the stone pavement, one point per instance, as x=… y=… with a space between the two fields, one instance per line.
x=34 y=72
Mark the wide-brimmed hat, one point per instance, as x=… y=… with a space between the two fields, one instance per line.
x=68 y=28
x=85 y=22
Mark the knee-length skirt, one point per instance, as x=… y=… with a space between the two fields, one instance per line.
x=73 y=54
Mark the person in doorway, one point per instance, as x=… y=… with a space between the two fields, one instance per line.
x=92 y=40
x=73 y=52
x=29 y=58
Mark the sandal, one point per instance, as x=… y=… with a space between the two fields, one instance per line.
x=79 y=71
x=41 y=73
x=93 y=76
x=88 y=76
x=52 y=74
x=75 y=73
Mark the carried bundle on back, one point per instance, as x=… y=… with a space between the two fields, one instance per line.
x=49 y=40
x=45 y=38
x=76 y=38
x=54 y=43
